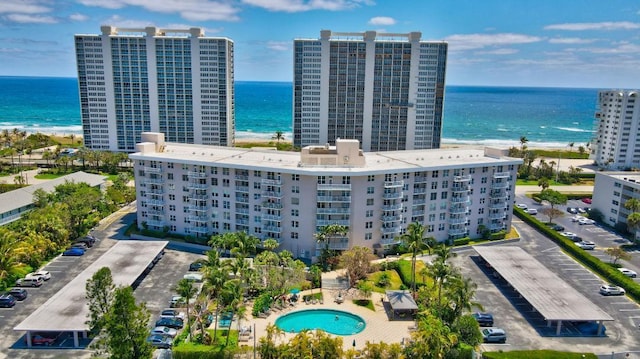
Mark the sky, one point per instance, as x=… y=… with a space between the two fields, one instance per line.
x=549 y=43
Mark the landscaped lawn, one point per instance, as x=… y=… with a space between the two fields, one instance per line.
x=405 y=268
x=49 y=176
x=394 y=281
x=537 y=354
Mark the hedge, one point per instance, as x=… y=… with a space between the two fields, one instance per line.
x=537 y=354
x=461 y=241
x=611 y=274
x=201 y=354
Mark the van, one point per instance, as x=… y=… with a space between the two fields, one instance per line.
x=29 y=282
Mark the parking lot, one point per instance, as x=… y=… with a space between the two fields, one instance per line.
x=525 y=328
x=156 y=289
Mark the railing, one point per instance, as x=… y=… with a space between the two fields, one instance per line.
x=199 y=197
x=392 y=207
x=462 y=220
x=392 y=195
x=272 y=217
x=201 y=219
x=272 y=205
x=242 y=177
x=458 y=209
x=459 y=199
x=153 y=180
x=203 y=230
x=242 y=199
x=242 y=210
x=466 y=178
x=155 y=212
x=242 y=189
x=152 y=169
x=198 y=208
x=420 y=179
x=155 y=223
x=244 y=222
x=271 y=182
x=419 y=190
x=333 y=187
x=457 y=231
x=388 y=230
x=196 y=174
x=393 y=184
x=391 y=218
x=157 y=191
x=389 y=241
x=499 y=185
x=155 y=202
x=333 y=210
x=272 y=194
x=193 y=185
x=418 y=212
x=494 y=205
x=326 y=222
x=459 y=189
x=495 y=226
x=272 y=229
x=501 y=175
x=497 y=215
x=334 y=199
x=419 y=201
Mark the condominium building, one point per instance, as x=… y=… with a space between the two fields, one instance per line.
x=385 y=90
x=616 y=143
x=173 y=81
x=203 y=190
x=610 y=193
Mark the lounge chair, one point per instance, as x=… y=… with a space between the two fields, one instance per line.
x=314 y=301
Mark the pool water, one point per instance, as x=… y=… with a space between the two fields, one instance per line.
x=331 y=321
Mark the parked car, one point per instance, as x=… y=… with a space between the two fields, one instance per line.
x=532 y=211
x=88 y=240
x=195 y=266
x=521 y=206
x=581 y=210
x=568 y=234
x=176 y=301
x=39 y=339
x=483 y=319
x=494 y=335
x=572 y=210
x=29 y=282
x=7 y=301
x=18 y=293
x=73 y=252
x=586 y=200
x=196 y=277
x=45 y=275
x=557 y=227
x=160 y=341
x=585 y=221
x=628 y=272
x=80 y=245
x=610 y=289
x=164 y=331
x=587 y=246
x=174 y=323
x=577 y=218
x=172 y=313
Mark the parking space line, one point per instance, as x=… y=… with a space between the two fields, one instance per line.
x=629 y=310
x=619 y=303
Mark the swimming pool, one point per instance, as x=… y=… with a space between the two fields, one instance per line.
x=331 y=321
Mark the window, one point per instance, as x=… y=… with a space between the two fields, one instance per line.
x=443 y=195
x=370 y=190
x=170 y=176
x=295 y=224
x=442 y=216
x=371 y=178
x=434 y=174
x=172 y=207
x=295 y=213
x=369 y=201
x=369 y=213
x=225 y=171
x=434 y=196
x=172 y=197
x=432 y=217
x=434 y=185
x=368 y=236
x=295 y=177
x=295 y=200
x=294 y=235
x=172 y=218
x=368 y=225
x=295 y=189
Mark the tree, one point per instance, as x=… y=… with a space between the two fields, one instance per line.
x=633 y=223
x=554 y=198
x=461 y=292
x=278 y=136
x=432 y=339
x=214 y=279
x=325 y=235
x=357 y=263
x=571 y=144
x=268 y=348
x=468 y=331
x=617 y=253
x=186 y=291
x=415 y=241
x=544 y=183
x=8 y=261
x=552 y=213
x=126 y=327
x=232 y=297
x=365 y=288
x=99 y=293
x=632 y=204
x=523 y=143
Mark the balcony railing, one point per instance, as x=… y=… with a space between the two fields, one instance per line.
x=155 y=202
x=419 y=201
x=196 y=185
x=202 y=230
x=458 y=209
x=334 y=199
x=457 y=231
x=242 y=210
x=271 y=194
x=419 y=190
x=272 y=229
x=392 y=195
x=196 y=174
x=458 y=179
x=272 y=217
x=392 y=207
x=420 y=179
x=244 y=189
x=333 y=211
x=494 y=205
x=155 y=223
x=418 y=212
x=333 y=187
x=272 y=205
x=153 y=180
x=497 y=215
x=242 y=199
x=390 y=230
x=501 y=175
x=152 y=169
x=397 y=218
x=155 y=190
x=241 y=221
x=200 y=219
x=459 y=199
x=462 y=220
x=393 y=184
x=499 y=185
x=242 y=177
x=193 y=208
x=155 y=212
x=389 y=241
x=326 y=222
x=199 y=197
x=460 y=189
x=271 y=182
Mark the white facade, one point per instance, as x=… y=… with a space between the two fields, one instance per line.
x=177 y=82
x=616 y=144
x=385 y=90
x=611 y=191
x=202 y=190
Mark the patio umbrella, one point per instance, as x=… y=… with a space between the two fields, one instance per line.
x=294 y=291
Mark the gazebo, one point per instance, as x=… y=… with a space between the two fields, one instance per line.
x=401 y=302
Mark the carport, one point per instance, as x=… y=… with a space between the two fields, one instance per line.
x=548 y=294
x=67 y=310
x=401 y=301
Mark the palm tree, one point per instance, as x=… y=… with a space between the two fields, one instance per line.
x=415 y=242
x=461 y=293
x=325 y=235
x=8 y=260
x=523 y=142
x=444 y=253
x=186 y=290
x=232 y=295
x=214 y=280
x=244 y=244
x=268 y=347
x=633 y=223
x=279 y=136
x=571 y=144
x=632 y=204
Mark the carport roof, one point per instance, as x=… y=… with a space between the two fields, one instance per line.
x=67 y=310
x=545 y=291
x=401 y=300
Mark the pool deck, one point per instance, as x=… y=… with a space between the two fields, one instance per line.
x=379 y=326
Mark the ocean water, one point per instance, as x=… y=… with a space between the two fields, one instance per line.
x=549 y=117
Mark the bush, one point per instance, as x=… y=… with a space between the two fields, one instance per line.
x=498 y=235
x=461 y=241
x=261 y=304
x=537 y=354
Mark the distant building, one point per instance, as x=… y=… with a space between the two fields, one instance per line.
x=616 y=143
x=611 y=191
x=385 y=90
x=202 y=190
x=177 y=82
x=14 y=204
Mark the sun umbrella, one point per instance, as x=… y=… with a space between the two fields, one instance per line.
x=294 y=291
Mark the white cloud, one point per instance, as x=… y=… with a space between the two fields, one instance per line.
x=118 y=21
x=31 y=19
x=607 y=25
x=194 y=10
x=570 y=40
x=622 y=48
x=302 y=5
x=498 y=52
x=382 y=20
x=278 y=45
x=460 y=42
x=23 y=7
x=78 y=17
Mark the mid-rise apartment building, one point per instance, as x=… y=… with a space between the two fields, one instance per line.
x=385 y=90
x=616 y=142
x=611 y=191
x=178 y=82
x=288 y=196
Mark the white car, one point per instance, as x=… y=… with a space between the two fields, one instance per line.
x=45 y=275
x=532 y=211
x=577 y=218
x=521 y=206
x=586 y=245
x=610 y=289
x=584 y=221
x=568 y=234
x=628 y=272
x=164 y=331
x=196 y=277
x=172 y=313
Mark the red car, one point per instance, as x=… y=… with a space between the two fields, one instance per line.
x=41 y=340
x=586 y=200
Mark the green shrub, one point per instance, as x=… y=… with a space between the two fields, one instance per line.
x=261 y=304
x=498 y=235
x=537 y=354
x=461 y=241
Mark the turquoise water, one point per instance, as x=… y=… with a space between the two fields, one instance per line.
x=472 y=115
x=331 y=321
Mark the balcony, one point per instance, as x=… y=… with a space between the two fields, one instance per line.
x=153 y=180
x=271 y=182
x=458 y=209
x=242 y=199
x=419 y=212
x=501 y=175
x=419 y=201
x=199 y=197
x=392 y=207
x=460 y=189
x=392 y=195
x=499 y=185
x=194 y=174
x=152 y=169
x=389 y=241
x=242 y=177
x=497 y=215
x=244 y=189
x=495 y=226
x=199 y=219
x=497 y=205
x=271 y=205
x=201 y=230
x=459 y=199
x=461 y=220
x=244 y=222
x=396 y=218
x=156 y=190
x=420 y=179
x=333 y=210
x=390 y=230
x=326 y=222
x=272 y=194
x=242 y=210
x=272 y=217
x=153 y=212
x=459 y=179
x=334 y=187
x=153 y=223
x=419 y=190
x=155 y=202
x=458 y=232
x=196 y=185
x=197 y=208
x=272 y=229
x=334 y=199
x=393 y=184
x=338 y=246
